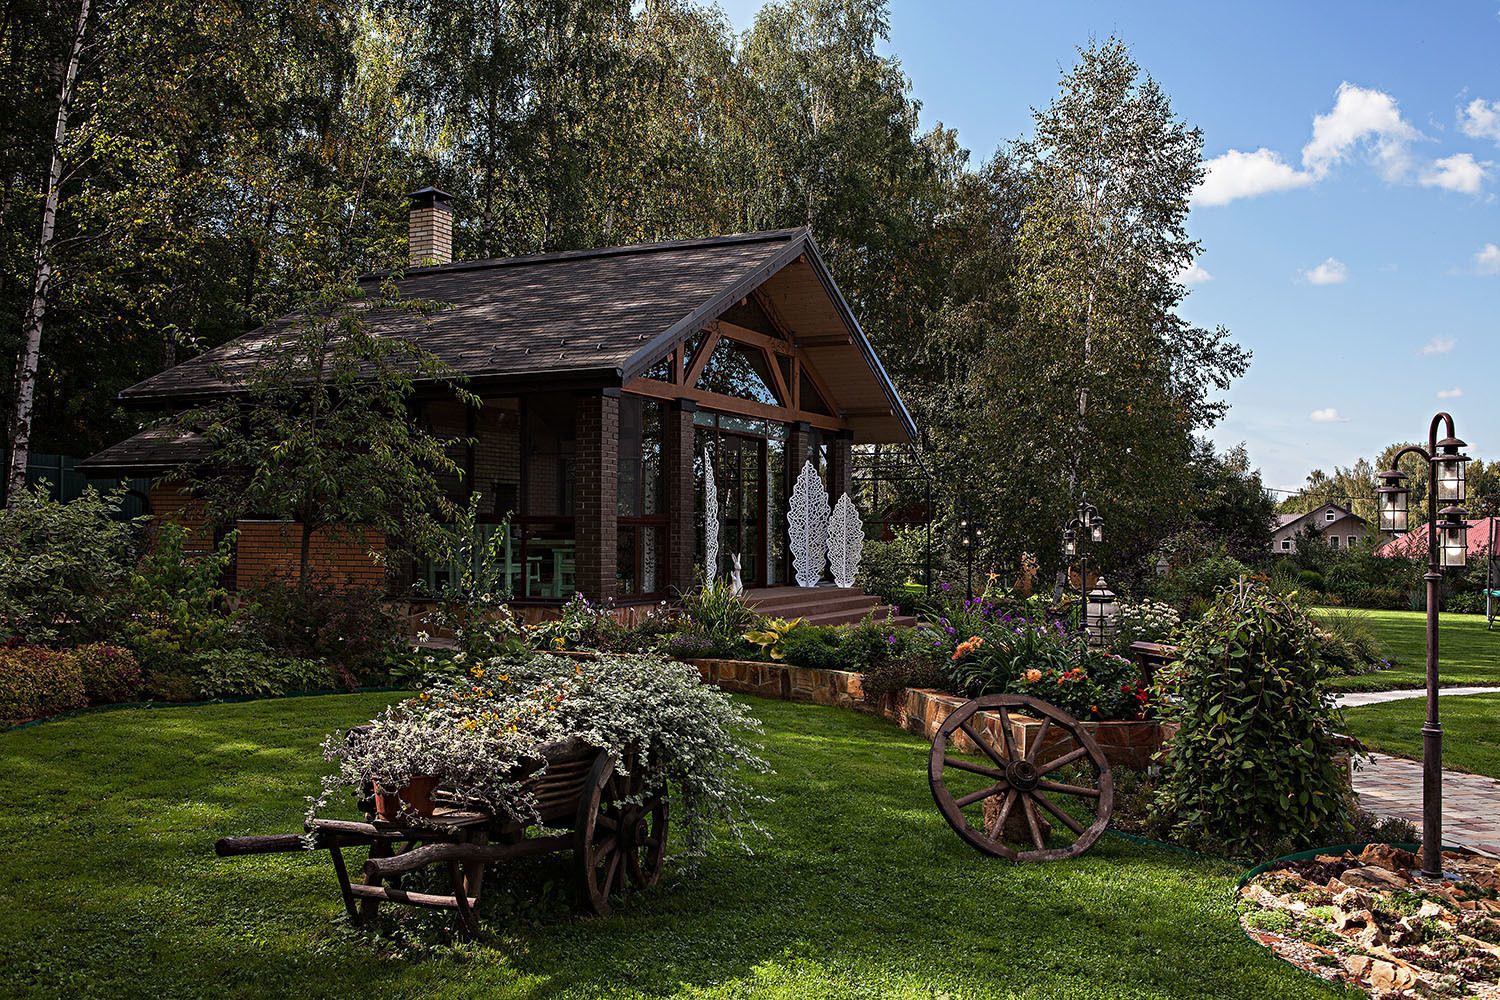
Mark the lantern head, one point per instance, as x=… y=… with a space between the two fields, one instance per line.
x=1070 y=542
x=1394 y=497
x=1096 y=529
x=1448 y=471
x=1453 y=536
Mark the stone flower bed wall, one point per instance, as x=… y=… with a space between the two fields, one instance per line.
x=922 y=711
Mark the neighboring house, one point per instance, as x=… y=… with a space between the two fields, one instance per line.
x=1339 y=526
x=606 y=376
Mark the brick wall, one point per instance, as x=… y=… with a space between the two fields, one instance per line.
x=595 y=492
x=682 y=541
x=840 y=466
x=267 y=551
x=170 y=503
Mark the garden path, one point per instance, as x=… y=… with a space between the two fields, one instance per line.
x=1356 y=698
x=1392 y=786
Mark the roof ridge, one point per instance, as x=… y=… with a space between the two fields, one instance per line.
x=763 y=236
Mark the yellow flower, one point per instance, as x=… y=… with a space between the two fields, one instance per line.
x=557 y=643
x=423 y=696
x=477 y=671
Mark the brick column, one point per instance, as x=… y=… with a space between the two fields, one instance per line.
x=840 y=465
x=798 y=435
x=681 y=516
x=595 y=491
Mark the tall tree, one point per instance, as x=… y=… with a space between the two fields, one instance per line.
x=41 y=283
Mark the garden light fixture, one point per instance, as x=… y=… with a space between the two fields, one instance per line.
x=1447 y=546
x=1086 y=528
x=1101 y=613
x=1394 y=497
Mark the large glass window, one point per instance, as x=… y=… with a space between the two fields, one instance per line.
x=641 y=529
x=736 y=369
x=744 y=494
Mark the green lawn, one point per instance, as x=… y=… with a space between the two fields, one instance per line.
x=109 y=886
x=1471 y=730
x=1468 y=653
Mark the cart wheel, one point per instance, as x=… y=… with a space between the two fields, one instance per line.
x=646 y=840
x=1016 y=787
x=598 y=853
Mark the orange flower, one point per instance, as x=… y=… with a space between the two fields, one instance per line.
x=1033 y=675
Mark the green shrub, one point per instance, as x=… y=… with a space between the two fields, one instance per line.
x=1275 y=921
x=900 y=673
x=180 y=608
x=232 y=673
x=1311 y=579
x=724 y=617
x=813 y=646
x=1187 y=587
x=35 y=681
x=1253 y=761
x=868 y=644
x=351 y=630
x=110 y=673
x=63 y=567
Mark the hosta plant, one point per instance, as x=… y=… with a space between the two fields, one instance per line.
x=771 y=636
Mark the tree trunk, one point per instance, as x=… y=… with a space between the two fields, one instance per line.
x=36 y=307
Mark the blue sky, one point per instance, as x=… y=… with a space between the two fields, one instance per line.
x=1350 y=223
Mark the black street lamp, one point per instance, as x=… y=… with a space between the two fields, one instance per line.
x=1086 y=527
x=1447 y=545
x=969 y=537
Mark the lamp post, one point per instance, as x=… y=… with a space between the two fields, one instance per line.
x=1101 y=613
x=970 y=539
x=1447 y=545
x=1085 y=527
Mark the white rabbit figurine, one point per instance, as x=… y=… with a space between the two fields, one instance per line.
x=736 y=584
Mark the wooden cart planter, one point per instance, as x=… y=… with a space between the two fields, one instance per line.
x=617 y=842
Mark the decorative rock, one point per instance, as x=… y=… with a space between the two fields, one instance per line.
x=1351 y=899
x=1357 y=966
x=1392 y=859
x=1370 y=937
x=1388 y=976
x=1378 y=879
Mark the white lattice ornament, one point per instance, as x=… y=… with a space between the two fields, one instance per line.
x=846 y=540
x=807 y=526
x=710 y=520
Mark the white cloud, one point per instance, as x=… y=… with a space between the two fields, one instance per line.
x=1439 y=345
x=1360 y=117
x=1487 y=259
x=1453 y=393
x=1330 y=272
x=1245 y=175
x=1459 y=172
x=1328 y=416
x=1480 y=120
x=1193 y=275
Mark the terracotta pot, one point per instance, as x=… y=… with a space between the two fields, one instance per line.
x=416 y=793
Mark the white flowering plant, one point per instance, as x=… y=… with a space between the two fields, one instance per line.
x=479 y=735
x=1145 y=621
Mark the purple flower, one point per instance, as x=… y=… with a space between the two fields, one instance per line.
x=945 y=588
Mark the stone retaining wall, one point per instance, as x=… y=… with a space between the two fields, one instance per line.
x=921 y=711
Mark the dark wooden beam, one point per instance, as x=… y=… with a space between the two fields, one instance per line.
x=730 y=404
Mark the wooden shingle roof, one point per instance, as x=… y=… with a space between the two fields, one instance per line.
x=586 y=312
x=154 y=450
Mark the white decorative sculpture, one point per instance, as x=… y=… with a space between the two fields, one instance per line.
x=736 y=583
x=710 y=521
x=807 y=526
x=846 y=539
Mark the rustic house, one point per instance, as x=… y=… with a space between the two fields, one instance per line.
x=607 y=376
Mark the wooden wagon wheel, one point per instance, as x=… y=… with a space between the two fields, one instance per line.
x=1019 y=784
x=598 y=855
x=645 y=834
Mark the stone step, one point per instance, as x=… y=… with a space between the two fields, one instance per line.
x=858 y=605
x=884 y=614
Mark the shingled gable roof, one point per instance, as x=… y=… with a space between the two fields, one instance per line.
x=587 y=315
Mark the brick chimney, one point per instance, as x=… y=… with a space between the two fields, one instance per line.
x=429 y=234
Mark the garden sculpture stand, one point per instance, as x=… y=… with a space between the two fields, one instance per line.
x=1016 y=787
x=597 y=810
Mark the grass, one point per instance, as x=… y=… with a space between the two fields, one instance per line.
x=1471 y=741
x=109 y=886
x=1468 y=653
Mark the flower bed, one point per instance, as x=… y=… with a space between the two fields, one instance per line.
x=921 y=711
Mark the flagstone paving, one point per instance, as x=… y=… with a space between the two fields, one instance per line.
x=1392 y=786
x=1357 y=698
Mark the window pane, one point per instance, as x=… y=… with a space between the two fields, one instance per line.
x=497 y=456
x=551 y=444
x=550 y=562
x=652 y=466
x=625 y=578
x=628 y=485
x=812 y=401
x=738 y=370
